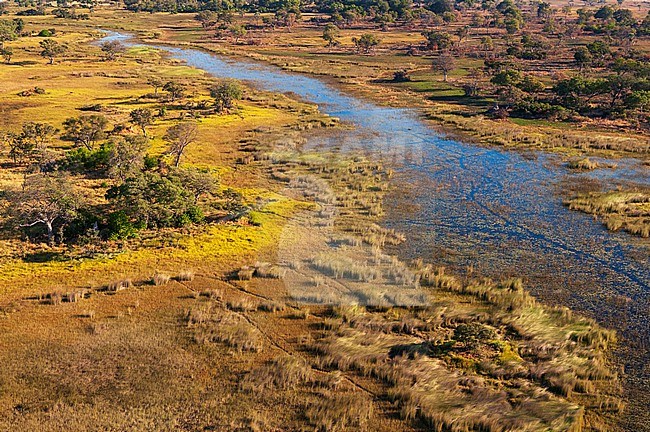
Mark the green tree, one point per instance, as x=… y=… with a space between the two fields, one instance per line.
x=543 y=10
x=85 y=130
x=506 y=78
x=127 y=157
x=644 y=27
x=331 y=34
x=599 y=51
x=207 y=18
x=141 y=117
x=366 y=42
x=31 y=141
x=605 y=13
x=462 y=33
x=487 y=44
x=175 y=90
x=583 y=57
x=7 y=53
x=198 y=182
x=52 y=49
x=577 y=92
x=225 y=94
x=437 y=40
x=439 y=7
x=238 y=31
x=8 y=32
x=19 y=148
x=152 y=200
x=530 y=84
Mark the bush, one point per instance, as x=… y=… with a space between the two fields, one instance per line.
x=119 y=285
x=120 y=227
x=160 y=279
x=195 y=214
x=401 y=76
x=150 y=162
x=82 y=159
x=284 y=373
x=472 y=334
x=46 y=33
x=186 y=275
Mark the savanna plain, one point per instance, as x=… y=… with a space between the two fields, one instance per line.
x=173 y=257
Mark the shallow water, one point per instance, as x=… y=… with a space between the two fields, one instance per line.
x=499 y=211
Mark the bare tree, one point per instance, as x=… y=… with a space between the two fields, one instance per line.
x=444 y=63
x=45 y=199
x=179 y=137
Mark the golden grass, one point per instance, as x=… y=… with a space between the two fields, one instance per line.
x=619 y=210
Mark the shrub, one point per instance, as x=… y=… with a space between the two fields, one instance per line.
x=401 y=76
x=82 y=159
x=54 y=298
x=120 y=227
x=245 y=273
x=187 y=275
x=272 y=306
x=472 y=334
x=213 y=293
x=269 y=271
x=160 y=279
x=584 y=164
x=241 y=305
x=119 y=285
x=239 y=335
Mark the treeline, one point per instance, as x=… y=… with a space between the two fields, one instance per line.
x=622 y=92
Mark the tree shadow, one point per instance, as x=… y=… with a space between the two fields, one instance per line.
x=44 y=256
x=24 y=63
x=462 y=100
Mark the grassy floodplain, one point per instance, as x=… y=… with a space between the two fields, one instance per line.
x=227 y=324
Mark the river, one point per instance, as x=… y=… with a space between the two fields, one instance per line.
x=497 y=211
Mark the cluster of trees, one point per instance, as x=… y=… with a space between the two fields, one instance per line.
x=142 y=191
x=145 y=195
x=623 y=91
x=10 y=30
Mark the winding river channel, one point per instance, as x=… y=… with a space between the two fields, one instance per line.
x=497 y=211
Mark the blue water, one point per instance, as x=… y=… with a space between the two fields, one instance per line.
x=498 y=211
